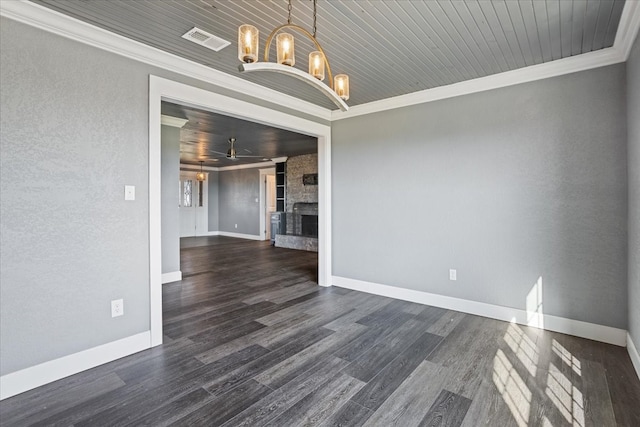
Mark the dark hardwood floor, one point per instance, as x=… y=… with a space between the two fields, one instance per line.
x=251 y=340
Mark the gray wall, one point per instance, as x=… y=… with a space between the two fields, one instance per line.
x=74 y=131
x=633 y=118
x=170 y=152
x=505 y=186
x=238 y=191
x=213 y=200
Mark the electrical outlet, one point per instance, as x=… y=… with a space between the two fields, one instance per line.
x=236 y=225
x=117 y=307
x=453 y=274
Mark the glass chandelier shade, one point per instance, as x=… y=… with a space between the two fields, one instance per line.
x=248 y=38
x=316 y=65
x=285 y=49
x=341 y=86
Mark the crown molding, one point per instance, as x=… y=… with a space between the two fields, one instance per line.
x=175 y=122
x=619 y=52
x=193 y=168
x=555 y=68
x=627 y=28
x=54 y=22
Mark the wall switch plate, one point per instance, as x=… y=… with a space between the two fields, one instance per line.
x=236 y=225
x=117 y=307
x=129 y=192
x=453 y=274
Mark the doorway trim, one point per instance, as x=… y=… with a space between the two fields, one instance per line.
x=263 y=200
x=164 y=89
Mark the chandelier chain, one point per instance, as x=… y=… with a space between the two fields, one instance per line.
x=289 y=17
x=315 y=6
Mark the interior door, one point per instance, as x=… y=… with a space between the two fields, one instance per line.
x=193 y=205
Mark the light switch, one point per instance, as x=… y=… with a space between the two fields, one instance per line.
x=129 y=192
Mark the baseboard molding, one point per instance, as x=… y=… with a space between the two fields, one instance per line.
x=577 y=328
x=47 y=372
x=633 y=354
x=213 y=233
x=174 y=276
x=240 y=235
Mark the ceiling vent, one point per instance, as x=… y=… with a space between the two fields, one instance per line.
x=205 y=39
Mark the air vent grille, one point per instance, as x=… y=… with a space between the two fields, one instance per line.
x=205 y=39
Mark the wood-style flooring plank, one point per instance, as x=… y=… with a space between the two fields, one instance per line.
x=267 y=409
x=217 y=411
x=300 y=362
x=385 y=382
x=406 y=405
x=263 y=345
x=448 y=410
x=349 y=415
x=226 y=382
x=314 y=408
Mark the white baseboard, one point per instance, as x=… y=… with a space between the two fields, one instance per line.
x=578 y=328
x=47 y=372
x=237 y=235
x=633 y=354
x=240 y=235
x=174 y=276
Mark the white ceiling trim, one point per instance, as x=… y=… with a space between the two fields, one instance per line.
x=194 y=168
x=175 y=122
x=628 y=28
x=49 y=20
x=619 y=52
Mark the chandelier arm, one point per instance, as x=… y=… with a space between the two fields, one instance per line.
x=299 y=74
x=309 y=36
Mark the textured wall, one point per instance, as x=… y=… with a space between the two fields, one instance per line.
x=633 y=118
x=170 y=153
x=74 y=131
x=73 y=135
x=506 y=186
x=238 y=191
x=213 y=200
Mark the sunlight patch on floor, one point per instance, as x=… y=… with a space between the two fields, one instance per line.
x=512 y=388
x=523 y=347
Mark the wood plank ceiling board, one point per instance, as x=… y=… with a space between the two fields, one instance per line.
x=207 y=133
x=388 y=48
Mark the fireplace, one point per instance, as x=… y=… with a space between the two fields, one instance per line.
x=305 y=219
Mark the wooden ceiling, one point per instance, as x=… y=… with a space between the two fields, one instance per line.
x=205 y=137
x=388 y=48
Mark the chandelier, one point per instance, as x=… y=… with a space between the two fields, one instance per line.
x=200 y=176
x=248 y=44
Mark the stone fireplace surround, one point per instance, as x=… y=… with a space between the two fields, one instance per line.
x=305 y=219
x=304 y=226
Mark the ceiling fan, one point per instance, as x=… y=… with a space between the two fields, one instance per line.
x=231 y=152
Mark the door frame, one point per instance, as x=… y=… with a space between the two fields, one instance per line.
x=164 y=89
x=263 y=200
